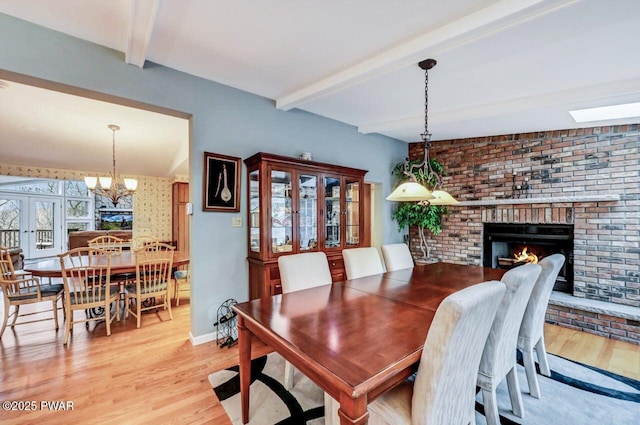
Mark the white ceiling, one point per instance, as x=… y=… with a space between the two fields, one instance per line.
x=504 y=66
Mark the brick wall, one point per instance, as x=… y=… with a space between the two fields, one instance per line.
x=577 y=162
x=595 y=323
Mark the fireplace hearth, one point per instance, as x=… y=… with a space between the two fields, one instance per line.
x=509 y=245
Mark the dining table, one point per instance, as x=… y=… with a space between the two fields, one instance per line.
x=356 y=338
x=124 y=262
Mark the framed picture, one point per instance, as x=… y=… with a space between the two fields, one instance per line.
x=221 y=183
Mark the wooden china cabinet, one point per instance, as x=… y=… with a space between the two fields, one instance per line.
x=298 y=206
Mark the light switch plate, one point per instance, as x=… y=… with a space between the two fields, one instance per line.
x=236 y=221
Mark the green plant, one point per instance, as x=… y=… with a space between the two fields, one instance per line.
x=420 y=214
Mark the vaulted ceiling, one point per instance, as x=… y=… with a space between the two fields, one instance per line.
x=503 y=66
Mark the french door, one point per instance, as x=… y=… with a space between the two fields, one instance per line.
x=32 y=223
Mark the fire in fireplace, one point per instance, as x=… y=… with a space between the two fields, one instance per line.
x=510 y=245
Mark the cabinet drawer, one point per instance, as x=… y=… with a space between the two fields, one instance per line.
x=336 y=264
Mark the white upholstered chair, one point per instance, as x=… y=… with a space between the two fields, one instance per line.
x=360 y=262
x=397 y=256
x=444 y=387
x=298 y=272
x=499 y=356
x=531 y=335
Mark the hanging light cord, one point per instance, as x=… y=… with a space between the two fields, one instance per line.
x=424 y=168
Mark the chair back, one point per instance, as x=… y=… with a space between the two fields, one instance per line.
x=157 y=246
x=107 y=243
x=360 y=262
x=444 y=388
x=302 y=271
x=6 y=264
x=397 y=256
x=10 y=286
x=140 y=241
x=154 y=263
x=86 y=275
x=499 y=353
x=532 y=325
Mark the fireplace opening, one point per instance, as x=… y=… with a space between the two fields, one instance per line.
x=510 y=245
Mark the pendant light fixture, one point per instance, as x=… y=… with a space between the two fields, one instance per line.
x=412 y=191
x=109 y=186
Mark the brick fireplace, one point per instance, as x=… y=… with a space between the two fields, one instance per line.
x=588 y=178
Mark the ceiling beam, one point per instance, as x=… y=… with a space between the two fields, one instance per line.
x=497 y=17
x=564 y=97
x=142 y=18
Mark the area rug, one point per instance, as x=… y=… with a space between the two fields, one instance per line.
x=575 y=394
x=270 y=403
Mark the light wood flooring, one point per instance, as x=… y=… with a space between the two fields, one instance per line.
x=153 y=375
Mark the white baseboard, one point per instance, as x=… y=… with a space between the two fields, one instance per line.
x=201 y=339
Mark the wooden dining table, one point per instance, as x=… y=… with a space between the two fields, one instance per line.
x=124 y=262
x=357 y=338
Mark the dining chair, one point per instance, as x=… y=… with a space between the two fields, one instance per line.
x=106 y=243
x=443 y=389
x=531 y=336
x=499 y=356
x=17 y=291
x=154 y=263
x=182 y=284
x=360 y=262
x=397 y=256
x=111 y=245
x=17 y=274
x=86 y=276
x=298 y=272
x=140 y=241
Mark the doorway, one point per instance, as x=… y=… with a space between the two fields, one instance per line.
x=31 y=223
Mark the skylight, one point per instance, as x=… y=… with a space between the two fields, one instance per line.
x=614 y=112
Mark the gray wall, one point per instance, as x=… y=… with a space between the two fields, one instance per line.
x=225 y=120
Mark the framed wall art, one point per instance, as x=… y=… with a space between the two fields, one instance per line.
x=221 y=184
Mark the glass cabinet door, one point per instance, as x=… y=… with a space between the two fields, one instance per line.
x=308 y=212
x=352 y=195
x=332 y=212
x=254 y=211
x=281 y=222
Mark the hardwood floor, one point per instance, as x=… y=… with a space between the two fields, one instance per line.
x=154 y=374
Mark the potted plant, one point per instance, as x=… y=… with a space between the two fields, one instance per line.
x=424 y=216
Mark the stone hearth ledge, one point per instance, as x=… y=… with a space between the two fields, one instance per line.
x=545 y=200
x=594 y=306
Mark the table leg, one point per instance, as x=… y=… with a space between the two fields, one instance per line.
x=353 y=411
x=244 y=353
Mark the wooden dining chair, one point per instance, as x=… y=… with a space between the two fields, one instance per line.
x=19 y=273
x=140 y=241
x=17 y=291
x=443 y=388
x=360 y=262
x=112 y=245
x=182 y=280
x=531 y=335
x=397 y=256
x=154 y=263
x=298 y=272
x=107 y=243
x=86 y=275
x=499 y=355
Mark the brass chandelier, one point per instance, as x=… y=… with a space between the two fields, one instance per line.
x=109 y=186
x=411 y=190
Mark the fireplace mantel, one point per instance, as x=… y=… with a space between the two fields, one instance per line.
x=545 y=200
